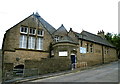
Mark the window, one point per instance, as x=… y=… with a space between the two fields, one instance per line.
x=24 y=30
x=87 y=47
x=40 y=33
x=56 y=38
x=31 y=43
x=91 y=47
x=32 y=31
x=39 y=44
x=106 y=50
x=23 y=41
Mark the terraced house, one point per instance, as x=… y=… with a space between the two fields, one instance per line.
x=35 y=39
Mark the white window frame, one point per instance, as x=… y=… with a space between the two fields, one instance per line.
x=57 y=38
x=42 y=34
x=23 y=41
x=31 y=33
x=39 y=45
x=24 y=30
x=31 y=42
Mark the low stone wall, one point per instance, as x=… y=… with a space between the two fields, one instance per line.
x=8 y=71
x=49 y=65
x=82 y=65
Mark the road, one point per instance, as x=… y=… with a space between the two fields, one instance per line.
x=106 y=73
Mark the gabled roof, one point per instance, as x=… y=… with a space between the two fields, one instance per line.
x=93 y=38
x=61 y=31
x=49 y=27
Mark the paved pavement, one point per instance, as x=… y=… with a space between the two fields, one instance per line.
x=106 y=73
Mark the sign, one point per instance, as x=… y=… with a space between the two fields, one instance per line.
x=63 y=53
x=82 y=50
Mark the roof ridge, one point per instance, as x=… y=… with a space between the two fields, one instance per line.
x=62 y=26
x=49 y=27
x=91 y=33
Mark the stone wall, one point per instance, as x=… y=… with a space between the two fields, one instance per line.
x=11 y=37
x=111 y=55
x=8 y=71
x=11 y=43
x=49 y=65
x=98 y=55
x=69 y=47
x=22 y=55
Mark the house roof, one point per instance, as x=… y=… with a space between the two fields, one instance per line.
x=49 y=27
x=93 y=38
x=61 y=31
x=67 y=39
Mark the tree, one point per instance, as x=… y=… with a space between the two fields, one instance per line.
x=108 y=36
x=115 y=40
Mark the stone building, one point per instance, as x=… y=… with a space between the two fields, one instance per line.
x=34 y=39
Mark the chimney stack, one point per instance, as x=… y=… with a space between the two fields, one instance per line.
x=101 y=34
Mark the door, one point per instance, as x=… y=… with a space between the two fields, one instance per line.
x=73 y=61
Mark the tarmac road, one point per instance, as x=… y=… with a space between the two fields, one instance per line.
x=106 y=73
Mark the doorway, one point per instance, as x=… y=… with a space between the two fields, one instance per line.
x=73 y=61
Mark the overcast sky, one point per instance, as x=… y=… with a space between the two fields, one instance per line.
x=89 y=15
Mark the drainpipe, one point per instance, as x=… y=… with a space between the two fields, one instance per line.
x=102 y=55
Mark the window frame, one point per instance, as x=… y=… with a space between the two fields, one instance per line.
x=32 y=31
x=31 y=42
x=56 y=38
x=40 y=31
x=23 y=42
x=39 y=43
x=24 y=30
x=87 y=49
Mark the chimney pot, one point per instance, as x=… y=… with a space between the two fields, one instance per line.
x=70 y=29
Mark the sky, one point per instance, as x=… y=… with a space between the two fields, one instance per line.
x=88 y=15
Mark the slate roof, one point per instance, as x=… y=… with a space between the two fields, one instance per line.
x=49 y=27
x=67 y=39
x=93 y=38
x=61 y=31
